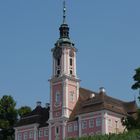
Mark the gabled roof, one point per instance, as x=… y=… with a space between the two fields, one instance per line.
x=100 y=101
x=39 y=115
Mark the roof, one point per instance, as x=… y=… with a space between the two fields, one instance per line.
x=39 y=115
x=89 y=101
x=100 y=101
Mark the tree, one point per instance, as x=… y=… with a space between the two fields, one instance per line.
x=8 y=117
x=133 y=122
x=136 y=78
x=24 y=110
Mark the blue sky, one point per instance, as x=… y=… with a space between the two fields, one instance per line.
x=106 y=34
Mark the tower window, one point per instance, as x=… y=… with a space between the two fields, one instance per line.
x=58 y=62
x=70 y=72
x=70 y=61
x=58 y=72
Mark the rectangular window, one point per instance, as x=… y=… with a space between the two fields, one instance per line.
x=70 y=61
x=19 y=136
x=91 y=123
x=46 y=132
x=70 y=72
x=40 y=133
x=84 y=124
x=70 y=128
x=58 y=72
x=98 y=122
x=31 y=134
x=57 y=130
x=25 y=136
x=58 y=62
x=75 y=126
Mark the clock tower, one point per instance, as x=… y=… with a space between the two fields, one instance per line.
x=64 y=83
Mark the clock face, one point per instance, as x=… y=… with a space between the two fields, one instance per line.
x=57 y=52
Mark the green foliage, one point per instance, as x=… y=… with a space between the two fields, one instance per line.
x=8 y=117
x=131 y=135
x=24 y=110
x=136 y=78
x=131 y=123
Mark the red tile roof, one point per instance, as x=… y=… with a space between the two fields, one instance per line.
x=101 y=101
x=39 y=115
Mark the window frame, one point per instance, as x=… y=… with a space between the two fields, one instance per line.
x=91 y=123
x=75 y=127
x=25 y=135
x=41 y=133
x=84 y=124
x=31 y=134
x=19 y=136
x=57 y=130
x=46 y=132
x=70 y=128
x=98 y=122
x=71 y=61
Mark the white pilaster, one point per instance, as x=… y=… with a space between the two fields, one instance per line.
x=80 y=128
x=51 y=103
x=65 y=63
x=68 y=61
x=75 y=64
x=77 y=90
x=104 y=123
x=65 y=100
x=64 y=130
x=16 y=134
x=62 y=63
x=53 y=66
x=50 y=131
x=35 y=133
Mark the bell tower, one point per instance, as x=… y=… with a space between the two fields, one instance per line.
x=64 y=83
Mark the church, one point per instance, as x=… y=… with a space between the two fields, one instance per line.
x=73 y=111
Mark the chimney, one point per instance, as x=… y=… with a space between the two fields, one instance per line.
x=38 y=103
x=92 y=95
x=102 y=90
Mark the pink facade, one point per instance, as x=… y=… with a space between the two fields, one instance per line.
x=56 y=132
x=72 y=130
x=32 y=133
x=57 y=105
x=114 y=123
x=73 y=111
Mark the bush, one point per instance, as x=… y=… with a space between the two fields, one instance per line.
x=131 y=135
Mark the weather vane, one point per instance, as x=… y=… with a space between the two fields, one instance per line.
x=64 y=11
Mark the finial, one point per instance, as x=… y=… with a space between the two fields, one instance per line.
x=64 y=12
